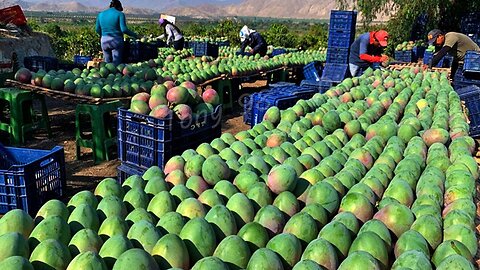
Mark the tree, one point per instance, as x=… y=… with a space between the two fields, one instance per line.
x=279 y=35
x=442 y=14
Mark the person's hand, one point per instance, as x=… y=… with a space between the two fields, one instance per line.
x=384 y=58
x=251 y=51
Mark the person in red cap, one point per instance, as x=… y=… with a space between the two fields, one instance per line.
x=366 y=50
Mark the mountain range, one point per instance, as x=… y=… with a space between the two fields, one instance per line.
x=311 y=9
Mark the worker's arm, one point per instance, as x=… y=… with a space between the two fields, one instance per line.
x=439 y=55
x=260 y=44
x=170 y=35
x=370 y=58
x=98 y=28
x=124 y=28
x=364 y=52
x=244 y=45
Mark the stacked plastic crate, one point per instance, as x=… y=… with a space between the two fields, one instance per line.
x=341 y=35
x=469 y=26
x=469 y=74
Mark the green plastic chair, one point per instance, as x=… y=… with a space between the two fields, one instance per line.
x=95 y=129
x=17 y=115
x=225 y=92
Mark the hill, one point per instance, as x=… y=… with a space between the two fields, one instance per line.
x=311 y=9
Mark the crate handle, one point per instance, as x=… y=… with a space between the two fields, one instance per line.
x=46 y=162
x=138 y=119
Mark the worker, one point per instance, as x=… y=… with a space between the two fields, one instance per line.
x=111 y=25
x=366 y=50
x=456 y=44
x=173 y=34
x=252 y=38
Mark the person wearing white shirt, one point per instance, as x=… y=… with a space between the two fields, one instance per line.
x=172 y=33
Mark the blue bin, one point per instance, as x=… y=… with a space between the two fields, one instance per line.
x=471 y=63
x=404 y=56
x=145 y=141
x=418 y=52
x=471 y=96
x=30 y=177
x=81 y=60
x=261 y=103
x=321 y=86
x=204 y=48
x=124 y=171
x=247 y=110
x=340 y=39
x=335 y=72
x=337 y=55
x=445 y=62
x=312 y=71
x=276 y=52
x=343 y=20
x=35 y=63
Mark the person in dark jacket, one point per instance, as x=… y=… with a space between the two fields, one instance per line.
x=366 y=50
x=111 y=25
x=455 y=44
x=253 y=39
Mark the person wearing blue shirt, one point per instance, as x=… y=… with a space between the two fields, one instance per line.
x=366 y=50
x=111 y=25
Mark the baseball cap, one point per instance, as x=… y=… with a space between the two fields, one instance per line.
x=382 y=37
x=432 y=35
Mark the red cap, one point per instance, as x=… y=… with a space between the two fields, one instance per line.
x=382 y=37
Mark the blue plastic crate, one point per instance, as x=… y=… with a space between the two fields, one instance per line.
x=223 y=43
x=205 y=48
x=261 y=103
x=279 y=84
x=81 y=60
x=334 y=72
x=30 y=177
x=404 y=56
x=278 y=52
x=340 y=39
x=124 y=171
x=140 y=51
x=312 y=71
x=471 y=96
x=304 y=93
x=145 y=141
x=34 y=63
x=446 y=61
x=471 y=63
x=337 y=55
x=462 y=79
x=343 y=20
x=418 y=52
x=247 y=110
x=475 y=37
x=321 y=86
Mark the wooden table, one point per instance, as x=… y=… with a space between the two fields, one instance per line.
x=70 y=97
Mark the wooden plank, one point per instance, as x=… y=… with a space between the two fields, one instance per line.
x=205 y=83
x=71 y=97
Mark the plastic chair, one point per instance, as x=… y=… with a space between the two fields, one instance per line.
x=95 y=129
x=17 y=115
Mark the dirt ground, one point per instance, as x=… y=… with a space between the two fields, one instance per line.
x=83 y=173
